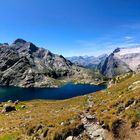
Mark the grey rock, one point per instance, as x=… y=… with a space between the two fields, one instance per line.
x=62 y=123
x=23 y=106
x=90 y=117
x=16 y=102
x=8 y=108
x=69 y=138
x=9 y=101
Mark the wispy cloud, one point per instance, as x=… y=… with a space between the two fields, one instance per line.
x=101 y=46
x=131 y=26
x=128 y=37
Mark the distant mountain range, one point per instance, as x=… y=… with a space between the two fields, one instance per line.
x=121 y=60
x=87 y=61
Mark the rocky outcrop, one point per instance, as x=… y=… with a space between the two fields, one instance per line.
x=8 y=108
x=121 y=61
x=24 y=64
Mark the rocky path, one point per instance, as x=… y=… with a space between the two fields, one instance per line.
x=92 y=129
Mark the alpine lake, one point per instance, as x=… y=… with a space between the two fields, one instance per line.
x=65 y=92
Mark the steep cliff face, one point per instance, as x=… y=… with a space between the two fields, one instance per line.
x=122 y=60
x=26 y=65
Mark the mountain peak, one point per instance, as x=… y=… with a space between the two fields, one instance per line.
x=19 y=40
x=116 y=50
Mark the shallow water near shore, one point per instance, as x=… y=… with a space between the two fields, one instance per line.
x=65 y=92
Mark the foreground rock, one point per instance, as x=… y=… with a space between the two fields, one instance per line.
x=8 y=108
x=69 y=138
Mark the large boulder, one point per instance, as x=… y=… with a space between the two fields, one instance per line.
x=8 y=108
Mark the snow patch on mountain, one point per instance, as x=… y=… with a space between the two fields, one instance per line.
x=125 y=51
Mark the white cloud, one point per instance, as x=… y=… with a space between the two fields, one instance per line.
x=128 y=37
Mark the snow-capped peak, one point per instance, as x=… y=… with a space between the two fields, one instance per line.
x=124 y=51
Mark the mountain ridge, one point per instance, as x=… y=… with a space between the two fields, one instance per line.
x=24 y=64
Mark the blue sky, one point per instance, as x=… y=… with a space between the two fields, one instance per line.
x=72 y=27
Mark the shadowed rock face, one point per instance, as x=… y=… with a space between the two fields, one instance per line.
x=122 y=60
x=24 y=64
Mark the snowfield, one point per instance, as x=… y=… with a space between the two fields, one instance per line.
x=124 y=51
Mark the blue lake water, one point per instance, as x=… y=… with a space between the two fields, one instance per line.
x=67 y=91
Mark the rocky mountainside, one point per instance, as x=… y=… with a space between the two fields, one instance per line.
x=87 y=61
x=24 y=64
x=122 y=60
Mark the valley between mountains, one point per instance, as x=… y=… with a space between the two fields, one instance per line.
x=109 y=114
